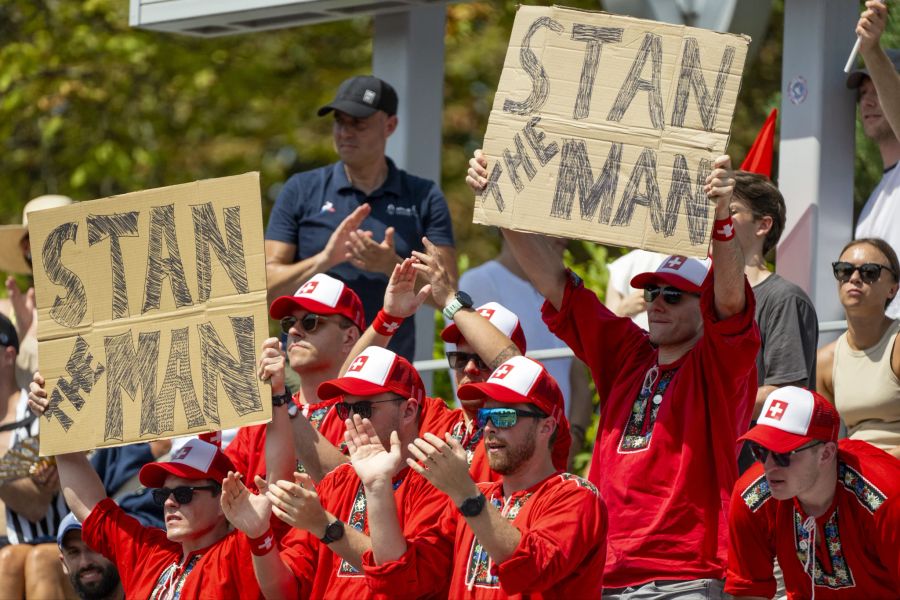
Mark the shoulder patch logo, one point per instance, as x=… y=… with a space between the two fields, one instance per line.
x=757 y=493
x=865 y=491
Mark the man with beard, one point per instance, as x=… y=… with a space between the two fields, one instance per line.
x=92 y=576
x=537 y=530
x=826 y=509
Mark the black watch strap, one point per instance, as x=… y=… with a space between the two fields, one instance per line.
x=472 y=506
x=333 y=532
x=282 y=398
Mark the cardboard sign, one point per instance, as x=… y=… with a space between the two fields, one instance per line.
x=605 y=128
x=151 y=311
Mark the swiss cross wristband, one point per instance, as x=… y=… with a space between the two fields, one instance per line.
x=263 y=544
x=723 y=229
x=385 y=324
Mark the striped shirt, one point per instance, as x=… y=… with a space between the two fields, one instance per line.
x=20 y=530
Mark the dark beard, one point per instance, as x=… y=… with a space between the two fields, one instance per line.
x=515 y=457
x=101 y=590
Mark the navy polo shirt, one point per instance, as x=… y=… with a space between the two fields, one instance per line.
x=312 y=204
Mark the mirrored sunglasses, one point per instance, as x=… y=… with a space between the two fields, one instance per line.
x=459 y=360
x=183 y=493
x=782 y=459
x=504 y=418
x=309 y=322
x=869 y=273
x=671 y=295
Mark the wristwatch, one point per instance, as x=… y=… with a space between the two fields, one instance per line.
x=293 y=409
x=472 y=506
x=460 y=300
x=282 y=398
x=333 y=532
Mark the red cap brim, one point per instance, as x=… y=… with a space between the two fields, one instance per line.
x=476 y=391
x=644 y=279
x=776 y=440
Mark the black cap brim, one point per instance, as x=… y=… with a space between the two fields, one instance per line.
x=354 y=109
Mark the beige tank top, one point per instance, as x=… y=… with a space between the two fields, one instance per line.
x=867 y=391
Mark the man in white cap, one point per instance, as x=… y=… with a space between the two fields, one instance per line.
x=322 y=556
x=91 y=574
x=322 y=321
x=15 y=259
x=673 y=402
x=827 y=510
x=198 y=555
x=538 y=531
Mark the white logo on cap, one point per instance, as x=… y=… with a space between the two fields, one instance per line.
x=674 y=263
x=323 y=289
x=790 y=411
x=373 y=365
x=518 y=374
x=500 y=317
x=196 y=454
x=369 y=96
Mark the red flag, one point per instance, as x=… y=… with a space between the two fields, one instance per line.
x=759 y=159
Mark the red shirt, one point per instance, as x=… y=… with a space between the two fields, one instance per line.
x=248 y=448
x=321 y=572
x=856 y=541
x=148 y=561
x=560 y=554
x=665 y=469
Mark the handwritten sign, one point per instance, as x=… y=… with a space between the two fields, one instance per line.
x=605 y=127
x=151 y=309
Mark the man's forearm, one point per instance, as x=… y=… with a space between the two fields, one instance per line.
x=540 y=262
x=24 y=497
x=728 y=273
x=276 y=581
x=281 y=460
x=887 y=84
x=80 y=483
x=385 y=533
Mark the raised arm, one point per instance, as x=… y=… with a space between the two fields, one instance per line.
x=884 y=76
x=536 y=255
x=727 y=256
x=488 y=341
x=283 y=274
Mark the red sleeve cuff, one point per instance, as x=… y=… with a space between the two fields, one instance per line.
x=391 y=577
x=549 y=313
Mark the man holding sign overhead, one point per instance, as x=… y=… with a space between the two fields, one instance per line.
x=639 y=141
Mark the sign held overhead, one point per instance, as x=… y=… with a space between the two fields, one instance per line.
x=605 y=128
x=151 y=307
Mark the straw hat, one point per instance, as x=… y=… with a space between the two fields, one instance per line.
x=11 y=259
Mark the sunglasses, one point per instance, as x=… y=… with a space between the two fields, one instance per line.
x=309 y=322
x=183 y=493
x=670 y=295
x=782 y=459
x=504 y=418
x=868 y=272
x=459 y=360
x=363 y=408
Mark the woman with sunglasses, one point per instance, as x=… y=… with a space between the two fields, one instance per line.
x=860 y=371
x=826 y=509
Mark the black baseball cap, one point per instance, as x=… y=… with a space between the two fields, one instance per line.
x=855 y=78
x=362 y=96
x=8 y=335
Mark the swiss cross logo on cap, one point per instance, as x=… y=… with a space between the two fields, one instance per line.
x=358 y=364
x=674 y=262
x=373 y=364
x=776 y=410
x=323 y=289
x=502 y=371
x=196 y=454
x=487 y=313
x=308 y=288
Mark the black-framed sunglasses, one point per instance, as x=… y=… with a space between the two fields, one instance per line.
x=459 y=360
x=868 y=272
x=671 y=295
x=309 y=322
x=504 y=418
x=363 y=408
x=183 y=493
x=782 y=459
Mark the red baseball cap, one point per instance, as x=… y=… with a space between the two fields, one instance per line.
x=195 y=460
x=374 y=371
x=322 y=295
x=500 y=317
x=522 y=380
x=686 y=274
x=792 y=417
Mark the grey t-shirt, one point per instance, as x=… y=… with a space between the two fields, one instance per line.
x=789 y=329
